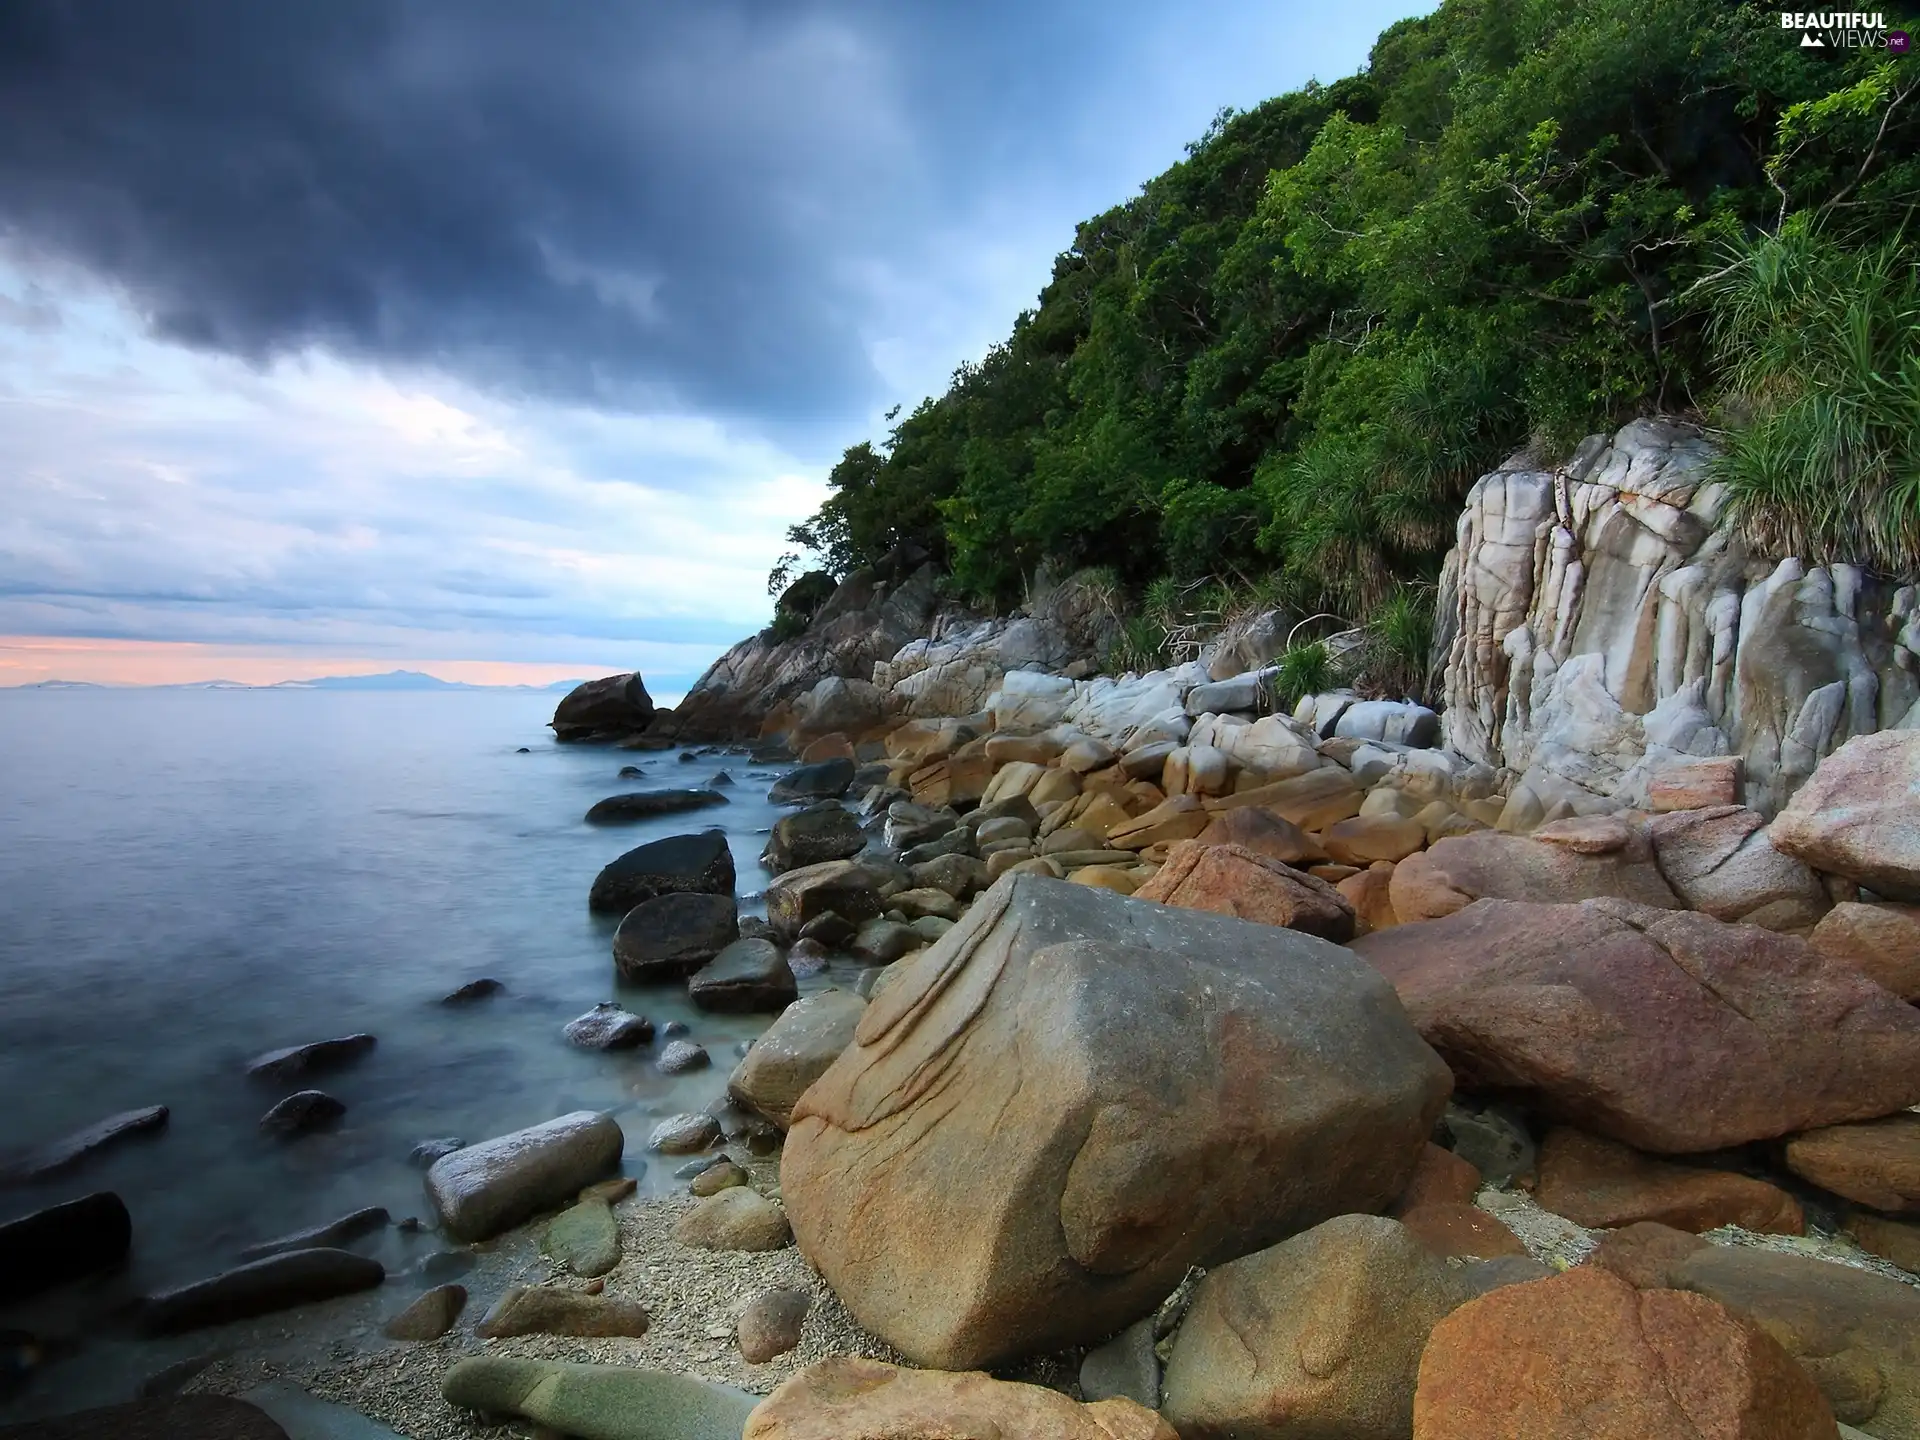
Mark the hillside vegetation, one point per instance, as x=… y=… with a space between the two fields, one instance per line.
x=1275 y=371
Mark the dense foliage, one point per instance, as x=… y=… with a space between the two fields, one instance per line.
x=1281 y=364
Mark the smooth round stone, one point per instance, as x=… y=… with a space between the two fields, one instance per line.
x=609 y=1026
x=770 y=1325
x=302 y=1111
x=430 y=1316
x=715 y=1178
x=684 y=1134
x=585 y=1238
x=679 y=1056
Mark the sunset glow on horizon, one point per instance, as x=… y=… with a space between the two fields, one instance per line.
x=30 y=659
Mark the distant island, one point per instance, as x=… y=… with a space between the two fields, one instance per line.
x=387 y=680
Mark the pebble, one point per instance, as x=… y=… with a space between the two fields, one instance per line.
x=770 y=1325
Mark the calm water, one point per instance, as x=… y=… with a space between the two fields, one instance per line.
x=188 y=878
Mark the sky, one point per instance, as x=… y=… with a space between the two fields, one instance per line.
x=504 y=340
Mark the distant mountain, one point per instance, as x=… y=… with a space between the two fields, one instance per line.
x=390 y=680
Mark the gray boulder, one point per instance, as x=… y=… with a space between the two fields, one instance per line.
x=1397 y=722
x=827 y=831
x=599 y=1402
x=609 y=1026
x=612 y=706
x=1252 y=690
x=671 y=936
x=313 y=1058
x=645 y=804
x=794 y=1052
x=483 y=1189
x=747 y=976
x=909 y=824
x=680 y=864
x=823 y=780
x=1074 y=1096
x=261 y=1287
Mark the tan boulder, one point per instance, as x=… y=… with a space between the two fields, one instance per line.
x=1367 y=838
x=1100 y=815
x=1856 y=1333
x=1086 y=755
x=1320 y=1335
x=1858 y=814
x=833 y=746
x=1440 y=1176
x=1264 y=833
x=1387 y=802
x=1180 y=818
x=959 y=780
x=1012 y=780
x=1565 y=861
x=1696 y=784
x=1073 y=1096
x=1880 y=941
x=737 y=1218
x=1452 y=1229
x=1056 y=784
x=1720 y=862
x=795 y=1050
x=1895 y=1241
x=846 y=887
x=1229 y=880
x=1105 y=877
x=1370 y=893
x=1041 y=749
x=1876 y=1163
x=1312 y=801
x=1604 y=1185
x=1673 y=1032
x=848 y=1397
x=1585 y=1356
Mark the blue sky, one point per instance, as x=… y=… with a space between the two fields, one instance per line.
x=510 y=337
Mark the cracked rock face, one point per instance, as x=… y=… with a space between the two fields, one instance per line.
x=1604 y=621
x=1673 y=1032
x=1073 y=1096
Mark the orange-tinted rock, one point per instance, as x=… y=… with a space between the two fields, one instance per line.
x=1876 y=1163
x=1675 y=1033
x=1264 y=833
x=1465 y=1231
x=1585 y=1356
x=1367 y=838
x=1895 y=1241
x=848 y=1397
x=828 y=747
x=1312 y=801
x=1603 y=1185
x=1180 y=818
x=1858 y=814
x=1880 y=941
x=1440 y=1176
x=1696 y=785
x=1644 y=1254
x=1569 y=860
x=1370 y=894
x=1230 y=880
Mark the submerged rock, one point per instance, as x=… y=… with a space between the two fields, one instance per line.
x=347 y=1228
x=300 y=1112
x=68 y=1151
x=609 y=1026
x=63 y=1242
x=484 y=988
x=261 y=1287
x=641 y=805
x=671 y=936
x=310 y=1059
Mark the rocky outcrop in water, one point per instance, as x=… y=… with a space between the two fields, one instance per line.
x=606 y=709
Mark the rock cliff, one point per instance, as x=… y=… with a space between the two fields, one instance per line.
x=1604 y=619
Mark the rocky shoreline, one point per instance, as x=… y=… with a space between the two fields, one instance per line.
x=1206 y=1066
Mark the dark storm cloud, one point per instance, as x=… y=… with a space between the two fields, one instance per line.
x=604 y=201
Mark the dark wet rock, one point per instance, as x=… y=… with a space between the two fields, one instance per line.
x=747 y=976
x=301 y=1112
x=679 y=1056
x=279 y=1282
x=428 y=1151
x=342 y=1231
x=523 y=750
x=609 y=1026
x=697 y=1165
x=825 y=780
x=63 y=1242
x=540 y=1310
x=172 y=1417
x=753 y=927
x=612 y=706
x=430 y=1316
x=70 y=1150
x=832 y=930
x=721 y=780
x=807 y=957
x=630 y=772
x=698 y=864
x=489 y=1187
x=672 y=936
x=674 y=1029
x=1494 y=1139
x=770 y=1325
x=882 y=942
x=484 y=988
x=684 y=1134
x=169 y=1379
x=316 y=1057
x=445 y=1265
x=827 y=831
x=645 y=804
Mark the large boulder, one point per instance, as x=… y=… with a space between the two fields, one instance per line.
x=1569 y=860
x=482 y=1189
x=813 y=836
x=1880 y=941
x=837 y=703
x=637 y=805
x=671 y=936
x=794 y=1052
x=63 y=1242
x=746 y=976
x=1072 y=1097
x=1876 y=1163
x=1230 y=880
x=1722 y=863
x=822 y=780
x=698 y=864
x=848 y=1397
x=1585 y=1356
x=1671 y=1032
x=611 y=707
x=848 y=888
x=1856 y=1333
x=1858 y=814
x=1320 y=1335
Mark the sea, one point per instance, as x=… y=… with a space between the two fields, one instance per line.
x=189 y=878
